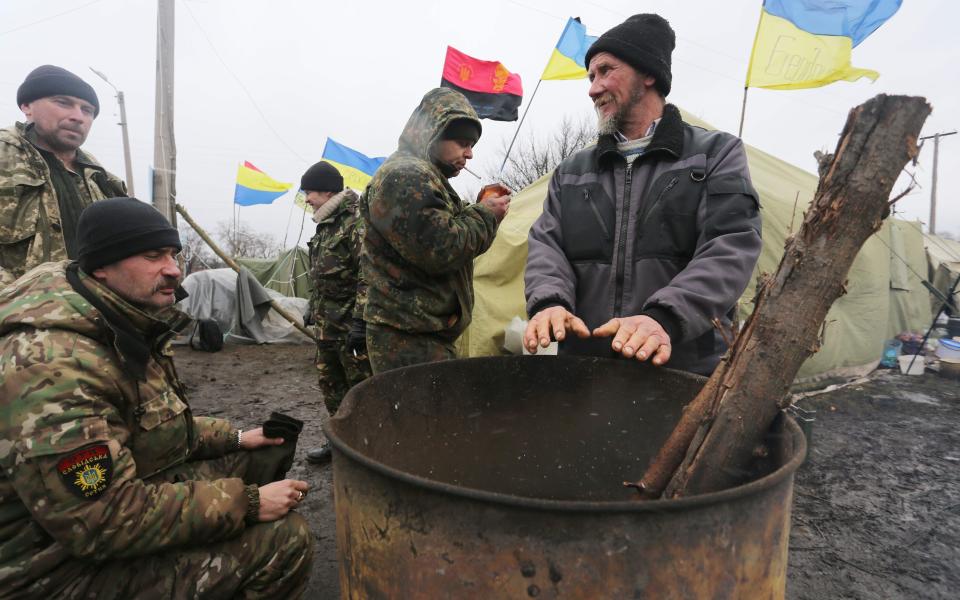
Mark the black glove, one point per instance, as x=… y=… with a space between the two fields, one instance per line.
x=281 y=425
x=357 y=337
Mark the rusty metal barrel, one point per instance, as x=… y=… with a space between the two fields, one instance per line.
x=503 y=478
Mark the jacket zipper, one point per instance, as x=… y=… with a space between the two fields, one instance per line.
x=663 y=192
x=596 y=213
x=621 y=245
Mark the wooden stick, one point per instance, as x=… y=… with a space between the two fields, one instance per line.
x=233 y=265
x=714 y=442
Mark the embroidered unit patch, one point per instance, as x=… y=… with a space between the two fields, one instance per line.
x=87 y=471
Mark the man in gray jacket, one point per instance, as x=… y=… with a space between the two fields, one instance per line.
x=651 y=234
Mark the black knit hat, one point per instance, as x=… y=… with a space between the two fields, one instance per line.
x=48 y=80
x=113 y=229
x=322 y=177
x=645 y=42
x=462 y=129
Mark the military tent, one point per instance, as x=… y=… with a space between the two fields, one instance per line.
x=288 y=273
x=885 y=294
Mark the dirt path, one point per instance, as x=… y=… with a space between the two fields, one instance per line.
x=877 y=506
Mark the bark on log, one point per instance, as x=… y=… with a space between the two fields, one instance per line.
x=226 y=258
x=717 y=435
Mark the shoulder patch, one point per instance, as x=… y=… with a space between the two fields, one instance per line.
x=87 y=472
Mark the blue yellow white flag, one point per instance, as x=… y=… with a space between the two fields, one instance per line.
x=567 y=60
x=807 y=43
x=357 y=168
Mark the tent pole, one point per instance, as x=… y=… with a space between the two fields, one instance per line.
x=943 y=305
x=233 y=265
x=286 y=231
x=517 y=132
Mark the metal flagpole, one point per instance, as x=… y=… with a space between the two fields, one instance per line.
x=517 y=132
x=743 y=111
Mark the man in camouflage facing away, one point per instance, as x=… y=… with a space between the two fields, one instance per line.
x=110 y=487
x=45 y=179
x=421 y=238
x=339 y=290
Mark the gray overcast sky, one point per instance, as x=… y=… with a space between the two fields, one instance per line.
x=268 y=81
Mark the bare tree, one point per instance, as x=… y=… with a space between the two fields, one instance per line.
x=245 y=242
x=197 y=256
x=534 y=156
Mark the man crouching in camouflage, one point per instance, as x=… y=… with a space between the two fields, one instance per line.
x=339 y=290
x=110 y=487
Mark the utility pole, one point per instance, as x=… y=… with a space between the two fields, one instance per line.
x=164 y=146
x=932 y=226
x=123 y=129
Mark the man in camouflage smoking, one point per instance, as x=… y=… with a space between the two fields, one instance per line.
x=45 y=179
x=110 y=487
x=421 y=238
x=339 y=290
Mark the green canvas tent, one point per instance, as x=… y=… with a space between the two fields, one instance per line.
x=943 y=257
x=885 y=292
x=288 y=273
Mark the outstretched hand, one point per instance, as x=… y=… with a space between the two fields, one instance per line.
x=637 y=336
x=554 y=321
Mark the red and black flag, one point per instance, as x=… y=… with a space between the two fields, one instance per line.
x=494 y=92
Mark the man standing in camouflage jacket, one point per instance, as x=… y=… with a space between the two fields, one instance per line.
x=45 y=179
x=110 y=487
x=339 y=291
x=421 y=238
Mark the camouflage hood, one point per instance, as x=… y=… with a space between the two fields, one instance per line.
x=437 y=109
x=43 y=299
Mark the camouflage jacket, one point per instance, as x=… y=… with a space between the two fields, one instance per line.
x=80 y=438
x=29 y=211
x=339 y=289
x=421 y=238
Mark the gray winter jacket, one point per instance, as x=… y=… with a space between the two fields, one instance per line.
x=675 y=237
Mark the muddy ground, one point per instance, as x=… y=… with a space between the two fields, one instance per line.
x=876 y=509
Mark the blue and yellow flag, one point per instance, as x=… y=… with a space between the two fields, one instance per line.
x=357 y=169
x=568 y=58
x=256 y=187
x=808 y=43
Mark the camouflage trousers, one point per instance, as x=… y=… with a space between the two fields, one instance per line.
x=391 y=348
x=339 y=371
x=267 y=560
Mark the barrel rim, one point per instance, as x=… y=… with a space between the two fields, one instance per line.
x=751 y=488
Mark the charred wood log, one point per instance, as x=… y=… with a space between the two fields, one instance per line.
x=720 y=430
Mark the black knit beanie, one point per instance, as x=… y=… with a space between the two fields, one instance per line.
x=322 y=177
x=113 y=229
x=462 y=129
x=48 y=80
x=645 y=42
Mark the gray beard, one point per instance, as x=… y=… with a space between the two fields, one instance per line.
x=612 y=124
x=608 y=125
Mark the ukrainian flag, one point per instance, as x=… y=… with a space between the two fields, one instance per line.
x=568 y=58
x=256 y=187
x=806 y=44
x=357 y=169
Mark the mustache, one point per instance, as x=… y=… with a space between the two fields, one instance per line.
x=166 y=283
x=602 y=99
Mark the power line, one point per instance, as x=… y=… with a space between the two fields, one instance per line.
x=50 y=18
x=263 y=116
